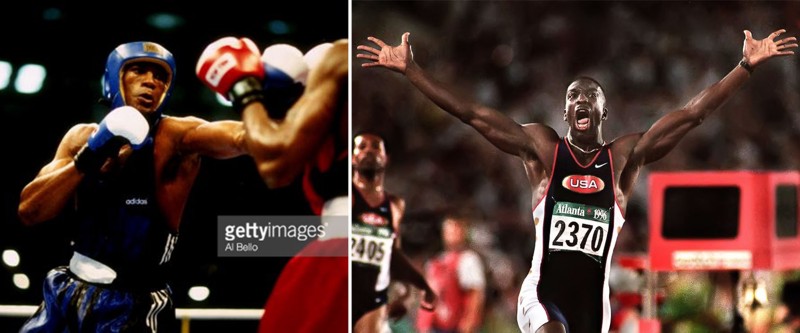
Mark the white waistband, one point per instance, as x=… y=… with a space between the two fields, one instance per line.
x=91 y=270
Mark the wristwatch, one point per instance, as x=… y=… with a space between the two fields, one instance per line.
x=746 y=66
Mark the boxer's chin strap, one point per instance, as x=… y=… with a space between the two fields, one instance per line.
x=91 y=270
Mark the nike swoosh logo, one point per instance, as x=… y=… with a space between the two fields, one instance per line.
x=598 y=166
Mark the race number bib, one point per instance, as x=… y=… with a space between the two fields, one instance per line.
x=370 y=250
x=577 y=227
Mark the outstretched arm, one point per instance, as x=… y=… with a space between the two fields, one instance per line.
x=665 y=134
x=218 y=139
x=282 y=148
x=44 y=197
x=499 y=129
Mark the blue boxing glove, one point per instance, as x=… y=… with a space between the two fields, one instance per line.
x=123 y=125
x=285 y=73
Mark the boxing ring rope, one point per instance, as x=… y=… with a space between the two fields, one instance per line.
x=182 y=314
x=17 y=310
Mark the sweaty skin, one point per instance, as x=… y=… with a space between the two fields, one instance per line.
x=179 y=143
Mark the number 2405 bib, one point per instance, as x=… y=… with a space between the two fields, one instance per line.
x=370 y=249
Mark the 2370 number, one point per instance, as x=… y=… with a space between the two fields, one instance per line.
x=579 y=233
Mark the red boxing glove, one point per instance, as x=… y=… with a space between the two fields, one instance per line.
x=233 y=68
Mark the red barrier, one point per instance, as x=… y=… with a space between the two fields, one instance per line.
x=733 y=220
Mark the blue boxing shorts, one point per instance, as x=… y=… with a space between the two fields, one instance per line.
x=73 y=305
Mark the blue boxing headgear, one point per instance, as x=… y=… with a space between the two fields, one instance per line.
x=136 y=52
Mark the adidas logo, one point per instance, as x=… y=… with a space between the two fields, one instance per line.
x=136 y=202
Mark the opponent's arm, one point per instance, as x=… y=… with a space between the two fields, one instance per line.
x=502 y=131
x=282 y=148
x=665 y=134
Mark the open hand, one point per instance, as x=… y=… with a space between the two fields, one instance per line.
x=395 y=58
x=756 y=51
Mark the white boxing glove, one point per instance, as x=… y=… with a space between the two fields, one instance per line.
x=125 y=122
x=283 y=66
x=120 y=126
x=314 y=55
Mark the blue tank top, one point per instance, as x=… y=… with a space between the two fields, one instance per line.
x=120 y=223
